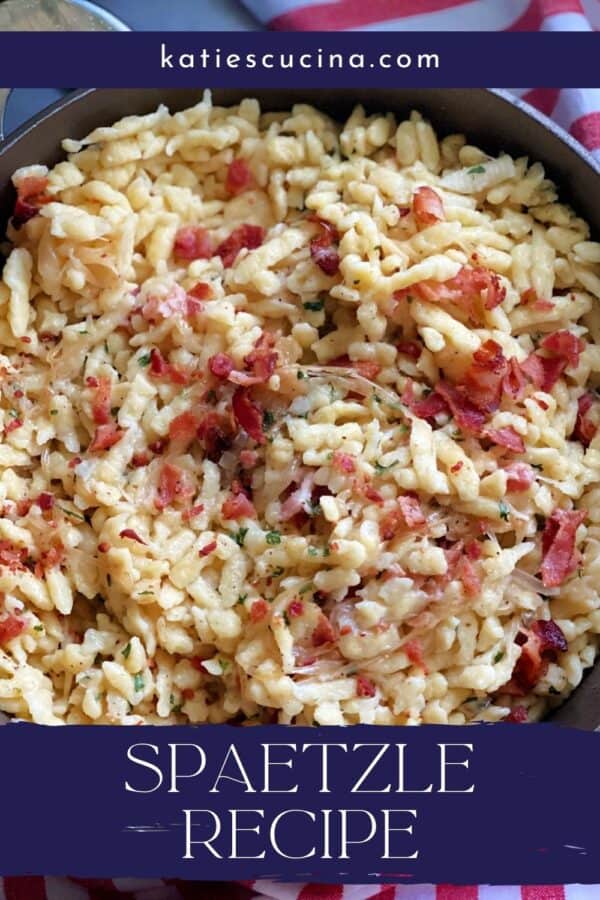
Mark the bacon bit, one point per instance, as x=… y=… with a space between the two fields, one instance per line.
x=139 y=460
x=517 y=715
x=414 y=651
x=216 y=431
x=259 y=610
x=519 y=476
x=92 y=382
x=262 y=360
x=132 y=536
x=105 y=437
x=102 y=401
x=188 y=693
x=13 y=425
x=456 y=467
x=183 y=427
x=482 y=381
x=173 y=485
x=201 y=291
x=530 y=298
x=244 y=236
x=322 y=251
x=159 y=446
x=585 y=430
x=469 y=577
x=364 y=367
x=160 y=368
x=427 y=207
x=176 y=303
x=408 y=513
x=426 y=408
x=103 y=547
x=560 y=557
x=323 y=632
x=466 y=414
x=404 y=211
x=343 y=462
x=365 y=687
x=371 y=494
x=473 y=550
x=465 y=290
x=197 y=663
x=49 y=559
x=295 y=609
x=239 y=177
x=564 y=344
x=221 y=365
x=11 y=556
x=248 y=414
x=505 y=437
x=193 y=242
x=45 y=500
x=25 y=340
x=31 y=194
x=18 y=394
x=192 y=512
x=207 y=549
x=238 y=507
x=248 y=459
x=46 y=337
x=23 y=506
x=539 y=646
x=410 y=348
x=11 y=626
x=514 y=382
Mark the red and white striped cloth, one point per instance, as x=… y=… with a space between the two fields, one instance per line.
x=577 y=111
x=34 y=888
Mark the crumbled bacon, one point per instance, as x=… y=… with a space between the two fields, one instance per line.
x=426 y=408
x=322 y=248
x=238 y=506
x=544 y=371
x=51 y=558
x=248 y=459
x=45 y=500
x=105 y=437
x=247 y=236
x=131 y=535
x=372 y=494
x=560 y=557
x=300 y=500
x=259 y=610
x=469 y=576
x=31 y=194
x=469 y=288
x=176 y=303
x=103 y=547
x=365 y=687
x=11 y=556
x=414 y=651
x=12 y=425
x=530 y=298
x=466 y=414
x=456 y=467
x=323 y=632
x=295 y=609
x=412 y=349
x=539 y=646
x=505 y=437
x=173 y=484
x=216 y=432
x=192 y=512
x=139 y=460
x=514 y=382
x=585 y=429
x=158 y=446
x=183 y=427
x=23 y=506
x=221 y=365
x=101 y=402
x=248 y=414
x=519 y=476
x=473 y=550
x=364 y=367
x=427 y=207
x=262 y=360
x=193 y=242
x=343 y=462
x=564 y=344
x=201 y=291
x=517 y=715
x=239 y=177
x=160 y=368
x=408 y=513
x=207 y=549
x=482 y=380
x=11 y=626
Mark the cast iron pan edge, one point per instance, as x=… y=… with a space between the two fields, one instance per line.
x=493 y=119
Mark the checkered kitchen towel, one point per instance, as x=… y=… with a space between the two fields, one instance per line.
x=578 y=111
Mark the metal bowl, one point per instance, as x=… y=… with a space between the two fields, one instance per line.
x=491 y=118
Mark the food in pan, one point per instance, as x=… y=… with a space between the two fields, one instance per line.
x=299 y=425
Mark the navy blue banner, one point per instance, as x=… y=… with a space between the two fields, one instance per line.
x=300 y=59
x=480 y=804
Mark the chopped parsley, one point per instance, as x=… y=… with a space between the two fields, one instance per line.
x=211 y=397
x=273 y=537
x=144 y=360
x=224 y=663
x=278 y=571
x=286 y=619
x=504 y=511
x=53 y=412
x=305 y=588
x=312 y=551
x=241 y=598
x=314 y=305
x=499 y=655
x=70 y=512
x=381 y=469
x=38 y=627
x=300 y=375
x=476 y=170
x=138 y=682
x=537 y=466
x=126 y=650
x=268 y=418
x=239 y=536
